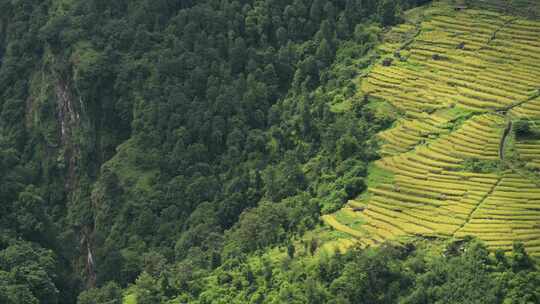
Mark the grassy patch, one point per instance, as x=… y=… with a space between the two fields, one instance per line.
x=413 y=66
x=341 y=245
x=462 y=116
x=457 y=111
x=329 y=240
x=382 y=109
x=510 y=152
x=130 y=173
x=342 y=106
x=377 y=176
x=129 y=298
x=349 y=218
x=482 y=166
x=415 y=15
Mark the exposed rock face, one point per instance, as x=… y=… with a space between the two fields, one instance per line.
x=69 y=119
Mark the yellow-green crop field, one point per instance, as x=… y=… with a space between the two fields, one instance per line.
x=458 y=84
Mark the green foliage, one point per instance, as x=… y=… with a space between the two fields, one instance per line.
x=170 y=144
x=378 y=176
x=464 y=272
x=389 y=12
x=270 y=224
x=110 y=293
x=481 y=166
x=459 y=279
x=522 y=128
x=27 y=274
x=148 y=291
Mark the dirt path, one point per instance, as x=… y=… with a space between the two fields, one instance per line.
x=494 y=34
x=503 y=139
x=475 y=209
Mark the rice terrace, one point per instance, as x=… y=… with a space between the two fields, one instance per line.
x=463 y=156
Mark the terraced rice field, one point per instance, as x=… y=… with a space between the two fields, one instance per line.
x=458 y=83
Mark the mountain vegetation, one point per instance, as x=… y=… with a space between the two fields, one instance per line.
x=221 y=151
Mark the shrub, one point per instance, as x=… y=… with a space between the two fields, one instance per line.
x=351 y=167
x=347 y=146
x=354 y=186
x=110 y=293
x=387 y=61
x=522 y=128
x=480 y=166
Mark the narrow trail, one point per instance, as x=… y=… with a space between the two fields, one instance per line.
x=475 y=209
x=504 y=138
x=494 y=34
x=418 y=28
x=519 y=103
x=418 y=31
x=502 y=144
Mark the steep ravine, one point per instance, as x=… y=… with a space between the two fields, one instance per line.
x=70 y=120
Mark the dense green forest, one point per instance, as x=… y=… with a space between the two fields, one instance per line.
x=178 y=151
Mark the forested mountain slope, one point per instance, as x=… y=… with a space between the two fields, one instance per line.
x=173 y=151
x=135 y=133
